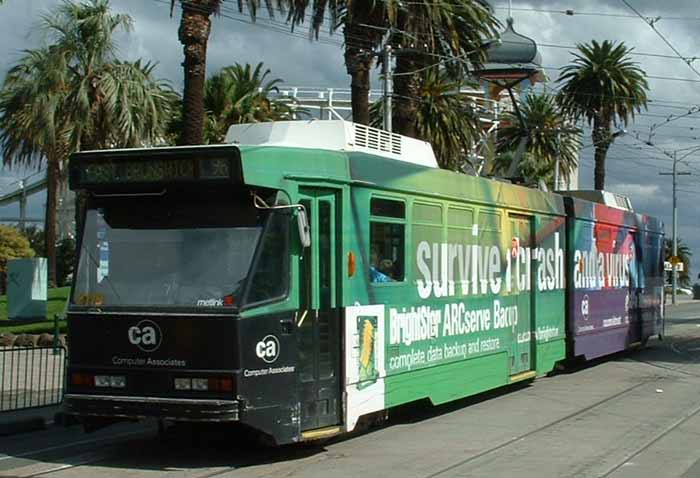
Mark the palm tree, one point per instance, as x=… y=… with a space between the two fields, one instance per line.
x=684 y=254
x=548 y=137
x=130 y=106
x=241 y=94
x=445 y=118
x=364 y=25
x=195 y=26
x=605 y=87
x=76 y=95
x=451 y=33
x=112 y=103
x=452 y=30
x=32 y=130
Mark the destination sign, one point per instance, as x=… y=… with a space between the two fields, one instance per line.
x=126 y=171
x=146 y=167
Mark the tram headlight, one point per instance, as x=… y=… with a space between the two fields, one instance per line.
x=110 y=381
x=183 y=384
x=201 y=384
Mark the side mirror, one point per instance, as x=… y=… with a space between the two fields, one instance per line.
x=304 y=229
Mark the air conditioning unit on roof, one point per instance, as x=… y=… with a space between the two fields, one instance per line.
x=334 y=135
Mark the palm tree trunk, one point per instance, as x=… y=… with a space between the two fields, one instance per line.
x=406 y=95
x=195 y=27
x=52 y=183
x=358 y=64
x=602 y=138
x=407 y=85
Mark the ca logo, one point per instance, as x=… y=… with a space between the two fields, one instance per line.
x=146 y=335
x=268 y=349
x=584 y=307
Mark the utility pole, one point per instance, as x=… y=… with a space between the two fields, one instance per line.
x=387 y=71
x=674 y=270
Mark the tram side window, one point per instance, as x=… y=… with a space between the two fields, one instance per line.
x=387 y=241
x=270 y=278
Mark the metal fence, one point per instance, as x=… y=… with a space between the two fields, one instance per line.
x=31 y=377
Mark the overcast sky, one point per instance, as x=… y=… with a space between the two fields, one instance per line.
x=633 y=168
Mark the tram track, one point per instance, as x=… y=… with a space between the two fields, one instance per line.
x=689 y=359
x=670 y=428
x=665 y=367
x=507 y=443
x=296 y=463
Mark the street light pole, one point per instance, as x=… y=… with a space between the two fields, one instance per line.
x=674 y=265
x=674 y=271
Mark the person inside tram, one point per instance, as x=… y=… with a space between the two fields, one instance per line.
x=379 y=269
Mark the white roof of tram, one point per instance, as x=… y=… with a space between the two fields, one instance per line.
x=334 y=135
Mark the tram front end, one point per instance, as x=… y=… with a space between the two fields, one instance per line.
x=174 y=250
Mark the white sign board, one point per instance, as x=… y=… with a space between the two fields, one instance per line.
x=27 y=288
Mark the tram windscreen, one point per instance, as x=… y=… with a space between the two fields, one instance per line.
x=165 y=253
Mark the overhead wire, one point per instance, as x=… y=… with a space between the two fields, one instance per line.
x=687 y=60
x=284 y=28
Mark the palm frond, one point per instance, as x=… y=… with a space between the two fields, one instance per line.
x=548 y=137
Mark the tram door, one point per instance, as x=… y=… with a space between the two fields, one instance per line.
x=525 y=276
x=318 y=323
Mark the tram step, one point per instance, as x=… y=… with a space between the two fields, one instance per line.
x=320 y=433
x=523 y=376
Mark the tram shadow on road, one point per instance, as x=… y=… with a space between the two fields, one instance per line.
x=191 y=447
x=673 y=349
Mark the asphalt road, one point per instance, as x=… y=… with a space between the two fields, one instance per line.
x=632 y=415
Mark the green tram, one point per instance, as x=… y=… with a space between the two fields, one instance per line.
x=308 y=274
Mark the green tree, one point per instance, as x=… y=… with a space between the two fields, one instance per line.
x=75 y=94
x=548 y=137
x=605 y=87
x=241 y=94
x=445 y=118
x=684 y=254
